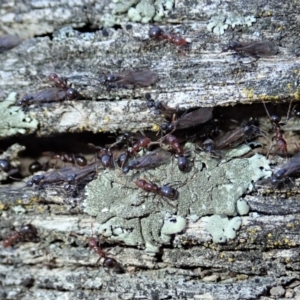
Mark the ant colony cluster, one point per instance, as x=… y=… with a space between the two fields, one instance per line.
x=185 y=171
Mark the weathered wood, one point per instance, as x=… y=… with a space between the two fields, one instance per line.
x=202 y=77
x=262 y=260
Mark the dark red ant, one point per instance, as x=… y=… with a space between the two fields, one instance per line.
x=174 y=143
x=61 y=83
x=77 y=159
x=27 y=232
x=182 y=159
x=108 y=262
x=275 y=121
x=156 y=33
x=142 y=143
x=164 y=191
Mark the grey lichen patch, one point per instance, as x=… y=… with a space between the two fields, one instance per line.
x=214 y=188
x=12 y=156
x=13 y=120
x=233 y=19
x=143 y=11
x=122 y=230
x=218 y=24
x=211 y=187
x=222 y=229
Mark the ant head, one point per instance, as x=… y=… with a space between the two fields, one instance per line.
x=35 y=167
x=279 y=174
x=232 y=45
x=150 y=103
x=28 y=228
x=126 y=169
x=167 y=127
x=71 y=177
x=52 y=76
x=110 y=78
x=275 y=119
x=296 y=111
x=37 y=178
x=5 y=165
x=71 y=94
x=24 y=101
x=80 y=160
x=208 y=145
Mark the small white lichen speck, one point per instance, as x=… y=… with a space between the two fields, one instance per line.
x=216 y=25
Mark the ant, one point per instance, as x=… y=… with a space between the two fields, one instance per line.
x=141 y=143
x=288 y=169
x=156 y=33
x=59 y=92
x=104 y=155
x=246 y=131
x=182 y=160
x=61 y=83
x=67 y=175
x=150 y=160
x=275 y=121
x=164 y=191
x=255 y=49
x=77 y=159
x=108 y=262
x=191 y=119
x=27 y=232
x=130 y=79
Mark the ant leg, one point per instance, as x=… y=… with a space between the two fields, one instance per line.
x=288 y=116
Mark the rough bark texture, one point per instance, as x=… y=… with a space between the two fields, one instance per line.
x=263 y=261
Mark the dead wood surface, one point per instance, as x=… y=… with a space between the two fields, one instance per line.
x=262 y=262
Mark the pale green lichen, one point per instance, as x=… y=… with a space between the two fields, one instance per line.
x=218 y=24
x=143 y=11
x=211 y=187
x=13 y=120
x=222 y=229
